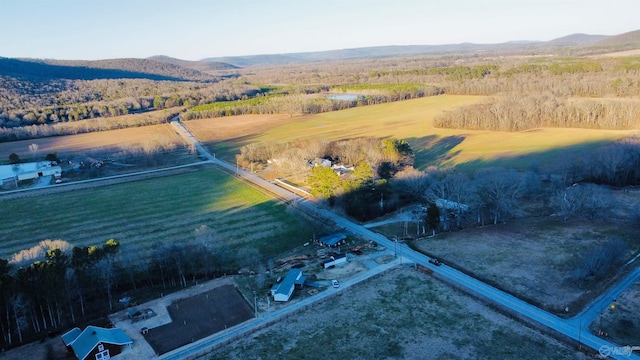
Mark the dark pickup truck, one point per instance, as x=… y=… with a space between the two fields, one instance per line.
x=435 y=262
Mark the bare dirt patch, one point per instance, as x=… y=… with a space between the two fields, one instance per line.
x=198 y=317
x=403 y=314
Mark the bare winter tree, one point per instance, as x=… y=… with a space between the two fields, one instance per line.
x=499 y=190
x=587 y=201
x=412 y=182
x=600 y=260
x=33 y=149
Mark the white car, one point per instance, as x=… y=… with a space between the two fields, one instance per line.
x=335 y=283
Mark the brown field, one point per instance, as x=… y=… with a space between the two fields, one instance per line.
x=411 y=120
x=531 y=258
x=236 y=127
x=402 y=314
x=111 y=140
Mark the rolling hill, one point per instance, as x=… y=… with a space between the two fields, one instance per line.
x=202 y=66
x=99 y=69
x=628 y=38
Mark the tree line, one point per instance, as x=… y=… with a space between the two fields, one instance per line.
x=517 y=112
x=577 y=187
x=54 y=286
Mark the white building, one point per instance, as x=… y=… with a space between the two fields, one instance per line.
x=284 y=290
x=334 y=260
x=26 y=171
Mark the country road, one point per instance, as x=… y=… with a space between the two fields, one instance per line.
x=575 y=328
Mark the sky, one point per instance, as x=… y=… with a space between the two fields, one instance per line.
x=197 y=29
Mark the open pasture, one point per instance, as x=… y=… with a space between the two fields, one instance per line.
x=154 y=212
x=402 y=314
x=411 y=120
x=129 y=138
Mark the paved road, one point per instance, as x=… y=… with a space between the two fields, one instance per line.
x=573 y=328
x=239 y=330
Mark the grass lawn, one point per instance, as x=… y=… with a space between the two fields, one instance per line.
x=154 y=211
x=403 y=314
x=411 y=120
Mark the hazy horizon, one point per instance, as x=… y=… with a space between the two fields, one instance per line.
x=198 y=29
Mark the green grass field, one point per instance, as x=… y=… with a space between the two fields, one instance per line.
x=412 y=120
x=151 y=212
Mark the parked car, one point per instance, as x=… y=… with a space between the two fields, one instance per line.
x=335 y=283
x=435 y=262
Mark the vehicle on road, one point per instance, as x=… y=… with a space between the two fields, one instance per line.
x=335 y=283
x=435 y=262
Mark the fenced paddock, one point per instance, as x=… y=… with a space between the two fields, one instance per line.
x=199 y=316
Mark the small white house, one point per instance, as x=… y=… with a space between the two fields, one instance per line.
x=284 y=290
x=334 y=260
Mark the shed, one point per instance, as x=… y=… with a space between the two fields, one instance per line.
x=96 y=342
x=284 y=290
x=334 y=260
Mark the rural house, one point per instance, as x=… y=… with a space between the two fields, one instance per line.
x=95 y=342
x=284 y=290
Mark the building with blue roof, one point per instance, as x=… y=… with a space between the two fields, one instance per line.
x=96 y=342
x=284 y=290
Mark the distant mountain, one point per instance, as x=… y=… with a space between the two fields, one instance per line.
x=577 y=39
x=366 y=52
x=628 y=38
x=203 y=66
x=572 y=41
x=99 y=69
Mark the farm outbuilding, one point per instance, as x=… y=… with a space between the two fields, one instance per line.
x=27 y=171
x=284 y=290
x=334 y=260
x=95 y=342
x=333 y=240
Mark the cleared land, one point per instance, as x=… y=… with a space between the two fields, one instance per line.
x=403 y=314
x=622 y=322
x=532 y=258
x=411 y=120
x=103 y=141
x=151 y=212
x=199 y=316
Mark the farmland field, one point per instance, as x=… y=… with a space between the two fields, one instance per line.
x=153 y=212
x=410 y=120
x=403 y=314
x=138 y=137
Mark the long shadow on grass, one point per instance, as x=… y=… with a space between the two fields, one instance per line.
x=435 y=150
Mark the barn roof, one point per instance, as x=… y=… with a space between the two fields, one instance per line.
x=71 y=335
x=93 y=335
x=289 y=281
